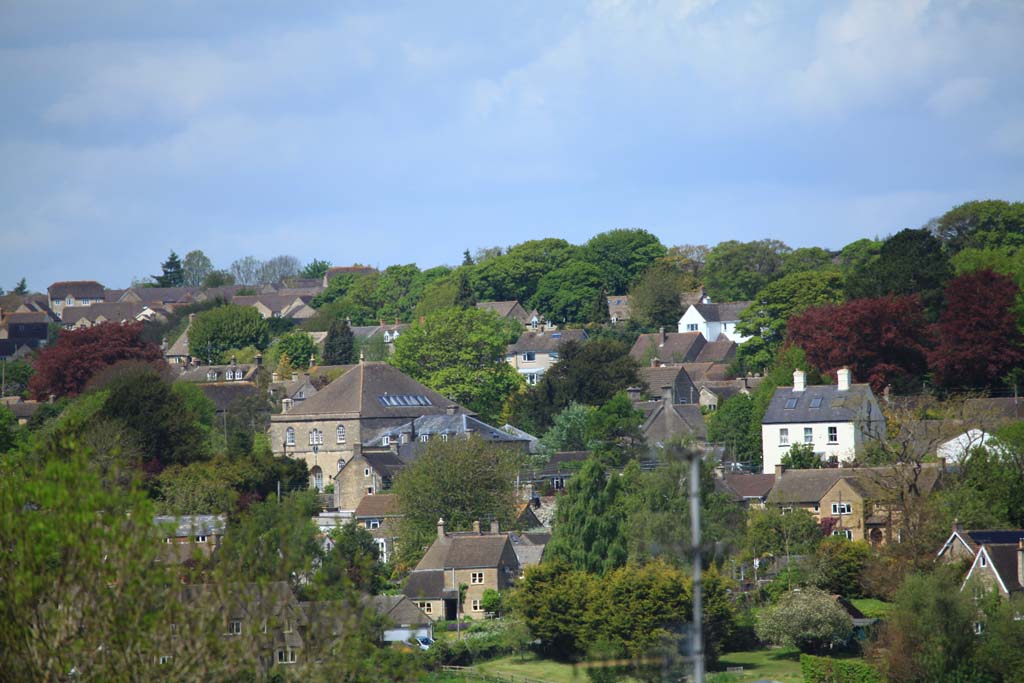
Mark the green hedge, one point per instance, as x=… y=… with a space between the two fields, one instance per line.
x=827 y=670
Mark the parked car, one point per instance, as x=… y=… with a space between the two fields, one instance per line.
x=424 y=642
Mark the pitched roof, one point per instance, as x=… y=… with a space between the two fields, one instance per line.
x=618 y=307
x=749 y=485
x=724 y=312
x=662 y=376
x=79 y=289
x=819 y=403
x=202 y=373
x=807 y=487
x=116 y=312
x=427 y=584
x=162 y=295
x=545 y=342
x=694 y=297
x=385 y=463
x=722 y=350
x=276 y=303
x=1005 y=561
x=378 y=505
x=669 y=421
x=191 y=525
x=399 y=610
x=180 y=346
x=464 y=551
x=678 y=347
x=374 y=389
x=502 y=308
x=461 y=423
x=224 y=394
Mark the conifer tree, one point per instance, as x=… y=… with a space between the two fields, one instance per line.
x=339 y=345
x=173 y=272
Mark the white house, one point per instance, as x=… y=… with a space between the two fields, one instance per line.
x=835 y=419
x=715 y=320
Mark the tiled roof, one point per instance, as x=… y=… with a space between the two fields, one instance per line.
x=378 y=505
x=79 y=289
x=722 y=350
x=662 y=376
x=464 y=551
x=365 y=390
x=724 y=312
x=808 y=486
x=430 y=425
x=502 y=308
x=819 y=403
x=1005 y=560
x=201 y=373
x=545 y=342
x=160 y=295
x=674 y=347
x=115 y=312
x=749 y=485
x=425 y=584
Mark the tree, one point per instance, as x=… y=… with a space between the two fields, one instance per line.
x=173 y=275
x=467 y=260
x=21 y=288
x=979 y=337
x=589 y=521
x=614 y=428
x=472 y=371
x=622 y=255
x=64 y=368
x=15 y=377
x=195 y=268
x=981 y=224
x=765 y=320
x=911 y=262
x=730 y=425
x=735 y=271
x=226 y=327
x=883 y=341
x=339 y=345
x=351 y=563
x=218 y=278
x=656 y=299
x=553 y=601
x=771 y=533
x=299 y=347
x=314 y=270
x=277 y=269
x=809 y=620
x=8 y=429
x=464 y=296
x=840 y=564
x=805 y=260
x=516 y=274
x=245 y=271
x=569 y=430
x=857 y=255
x=567 y=294
x=801 y=456
x=459 y=481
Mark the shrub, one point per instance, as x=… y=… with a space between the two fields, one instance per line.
x=826 y=670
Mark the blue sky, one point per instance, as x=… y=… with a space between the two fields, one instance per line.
x=394 y=132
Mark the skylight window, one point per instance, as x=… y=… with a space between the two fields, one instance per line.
x=816 y=402
x=791 y=403
x=401 y=400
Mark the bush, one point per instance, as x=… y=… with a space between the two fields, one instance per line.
x=826 y=670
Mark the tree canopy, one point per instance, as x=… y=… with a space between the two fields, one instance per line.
x=217 y=330
x=736 y=271
x=911 y=262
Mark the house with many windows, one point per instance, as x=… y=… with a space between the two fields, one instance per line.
x=536 y=351
x=74 y=293
x=836 y=420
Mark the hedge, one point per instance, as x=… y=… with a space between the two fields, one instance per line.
x=827 y=670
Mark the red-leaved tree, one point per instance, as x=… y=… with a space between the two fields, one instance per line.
x=883 y=341
x=64 y=368
x=979 y=339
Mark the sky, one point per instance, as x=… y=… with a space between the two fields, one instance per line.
x=393 y=132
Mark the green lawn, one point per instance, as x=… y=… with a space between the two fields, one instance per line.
x=536 y=668
x=872 y=608
x=780 y=664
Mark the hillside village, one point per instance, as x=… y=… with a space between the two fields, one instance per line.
x=297 y=467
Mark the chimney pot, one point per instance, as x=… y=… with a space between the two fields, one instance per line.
x=843 y=379
x=312 y=360
x=259 y=359
x=957 y=526
x=274 y=377
x=295 y=375
x=440 y=528
x=661 y=336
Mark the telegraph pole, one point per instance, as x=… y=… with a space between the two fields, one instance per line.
x=697 y=636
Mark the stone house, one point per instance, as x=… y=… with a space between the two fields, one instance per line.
x=379 y=515
x=963 y=544
x=511 y=310
x=74 y=293
x=999 y=567
x=661 y=347
x=535 y=352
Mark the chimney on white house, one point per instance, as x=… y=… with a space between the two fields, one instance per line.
x=799 y=380
x=843 y=378
x=440 y=528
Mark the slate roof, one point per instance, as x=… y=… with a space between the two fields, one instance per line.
x=116 y=312
x=722 y=350
x=678 y=347
x=724 y=312
x=545 y=342
x=162 y=295
x=361 y=390
x=399 y=610
x=223 y=394
x=425 y=584
x=1005 y=561
x=807 y=487
x=276 y=303
x=79 y=289
x=194 y=525
x=502 y=308
x=464 y=551
x=431 y=425
x=180 y=346
x=27 y=318
x=200 y=373
x=378 y=505
x=668 y=421
x=749 y=485
x=23 y=410
x=835 y=406
x=662 y=376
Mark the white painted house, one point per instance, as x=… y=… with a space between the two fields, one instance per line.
x=836 y=419
x=715 y=320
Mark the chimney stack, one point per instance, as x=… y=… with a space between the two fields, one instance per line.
x=495 y=529
x=312 y=360
x=957 y=526
x=661 y=336
x=286 y=405
x=274 y=377
x=799 y=380
x=259 y=359
x=450 y=410
x=295 y=375
x=440 y=529
x=843 y=379
x=779 y=469
x=666 y=394
x=476 y=527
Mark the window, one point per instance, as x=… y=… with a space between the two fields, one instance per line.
x=174 y=630
x=166 y=659
x=817 y=507
x=426 y=607
x=369 y=490
x=289 y=436
x=531 y=378
x=786 y=510
x=387 y=337
x=167 y=540
x=211 y=375
x=386 y=440
x=983 y=561
x=691 y=327
x=845 y=533
x=475 y=606
x=476 y=578
x=424 y=438
x=783 y=437
x=286 y=656
x=341 y=434
x=69 y=301
x=841 y=508
x=366 y=471
x=833 y=434
x=791 y=403
x=373 y=524
x=200 y=539
x=235 y=627
x=287 y=625
x=553 y=355
x=444 y=437
x=979 y=628
x=316 y=437
x=808 y=434
x=529 y=356
x=816 y=402
x=318 y=478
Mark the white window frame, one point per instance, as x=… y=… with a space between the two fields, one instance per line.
x=692 y=327
x=845 y=533
x=339 y=434
x=289 y=436
x=201 y=538
x=316 y=437
x=373 y=524
x=386 y=440
x=444 y=437
x=475 y=606
x=286 y=656
x=166 y=659
x=476 y=578
x=784 y=436
x=366 y=471
x=529 y=356
x=427 y=607
x=424 y=438
x=235 y=627
x=842 y=509
x=318 y=479
x=833 y=435
x=808 y=434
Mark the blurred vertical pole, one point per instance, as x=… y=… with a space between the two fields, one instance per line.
x=697 y=639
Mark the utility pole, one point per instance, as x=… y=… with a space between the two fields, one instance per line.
x=697 y=636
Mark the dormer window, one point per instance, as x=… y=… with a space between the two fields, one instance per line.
x=69 y=301
x=386 y=440
x=211 y=375
x=424 y=438
x=387 y=337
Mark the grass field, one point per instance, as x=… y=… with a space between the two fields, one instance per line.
x=774 y=665
x=532 y=667
x=872 y=608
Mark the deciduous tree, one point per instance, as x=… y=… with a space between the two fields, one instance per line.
x=226 y=327
x=314 y=270
x=809 y=620
x=622 y=255
x=730 y=425
x=655 y=299
x=911 y=262
x=299 y=347
x=567 y=294
x=735 y=271
x=981 y=224
x=979 y=337
x=64 y=368
x=195 y=268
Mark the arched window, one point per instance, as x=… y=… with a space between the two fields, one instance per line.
x=316 y=437
x=289 y=436
x=341 y=433
x=318 y=478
